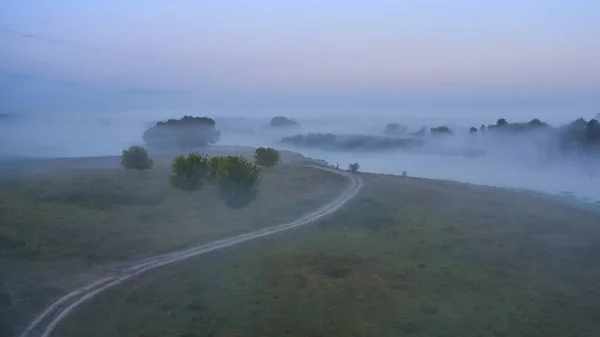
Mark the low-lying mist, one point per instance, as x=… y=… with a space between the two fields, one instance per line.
x=528 y=160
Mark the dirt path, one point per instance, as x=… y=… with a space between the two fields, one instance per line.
x=45 y=323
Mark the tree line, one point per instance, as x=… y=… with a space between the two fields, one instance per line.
x=580 y=132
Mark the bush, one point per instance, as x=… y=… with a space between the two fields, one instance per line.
x=353 y=167
x=136 y=158
x=281 y=121
x=185 y=133
x=188 y=173
x=237 y=180
x=266 y=156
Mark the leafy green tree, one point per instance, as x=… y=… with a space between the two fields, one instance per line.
x=136 y=158
x=353 y=167
x=185 y=133
x=237 y=181
x=267 y=156
x=213 y=167
x=188 y=172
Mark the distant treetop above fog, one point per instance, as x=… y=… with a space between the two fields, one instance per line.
x=394 y=129
x=281 y=121
x=185 y=133
x=441 y=130
x=503 y=125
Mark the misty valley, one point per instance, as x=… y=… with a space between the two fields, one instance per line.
x=201 y=226
x=557 y=159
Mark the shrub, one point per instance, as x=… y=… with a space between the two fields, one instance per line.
x=353 y=167
x=136 y=158
x=237 y=180
x=185 y=133
x=266 y=156
x=188 y=173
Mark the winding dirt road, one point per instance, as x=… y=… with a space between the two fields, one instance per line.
x=45 y=323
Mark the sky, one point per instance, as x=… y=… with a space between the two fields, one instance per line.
x=107 y=54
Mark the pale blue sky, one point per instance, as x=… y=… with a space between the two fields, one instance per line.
x=236 y=49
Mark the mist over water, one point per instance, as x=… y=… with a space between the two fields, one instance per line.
x=524 y=161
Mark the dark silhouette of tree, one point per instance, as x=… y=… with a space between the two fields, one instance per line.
x=535 y=122
x=394 y=129
x=592 y=132
x=281 y=121
x=501 y=122
x=185 y=133
x=473 y=130
x=353 y=167
x=441 y=130
x=482 y=127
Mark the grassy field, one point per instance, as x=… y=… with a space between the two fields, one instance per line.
x=408 y=257
x=64 y=221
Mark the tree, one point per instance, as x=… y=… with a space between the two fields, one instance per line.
x=185 y=133
x=237 y=181
x=213 y=167
x=266 y=156
x=440 y=130
x=394 y=129
x=501 y=122
x=473 y=130
x=482 y=127
x=281 y=121
x=592 y=132
x=353 y=167
x=136 y=158
x=188 y=172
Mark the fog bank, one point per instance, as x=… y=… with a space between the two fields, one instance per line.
x=524 y=161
